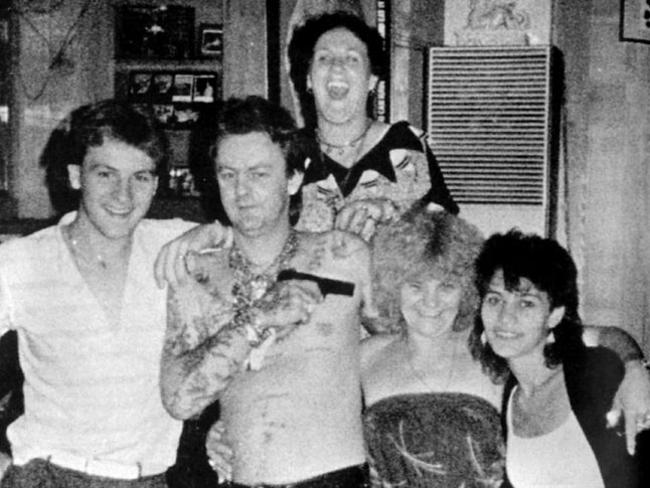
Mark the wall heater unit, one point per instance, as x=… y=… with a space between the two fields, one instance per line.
x=492 y=124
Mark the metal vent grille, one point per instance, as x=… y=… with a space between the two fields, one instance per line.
x=488 y=122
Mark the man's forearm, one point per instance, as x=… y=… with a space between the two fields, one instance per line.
x=615 y=339
x=192 y=380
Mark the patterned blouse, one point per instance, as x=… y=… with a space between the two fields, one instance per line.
x=400 y=167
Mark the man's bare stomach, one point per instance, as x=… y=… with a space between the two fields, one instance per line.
x=298 y=417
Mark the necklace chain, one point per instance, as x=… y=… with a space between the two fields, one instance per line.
x=249 y=288
x=339 y=149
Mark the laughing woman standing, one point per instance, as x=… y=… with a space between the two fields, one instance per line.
x=361 y=170
x=558 y=391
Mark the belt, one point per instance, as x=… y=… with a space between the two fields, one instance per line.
x=352 y=477
x=96 y=467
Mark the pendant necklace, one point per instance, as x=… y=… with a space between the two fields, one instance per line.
x=249 y=287
x=339 y=149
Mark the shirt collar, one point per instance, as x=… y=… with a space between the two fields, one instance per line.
x=398 y=136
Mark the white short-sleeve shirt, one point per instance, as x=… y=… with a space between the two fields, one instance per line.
x=90 y=390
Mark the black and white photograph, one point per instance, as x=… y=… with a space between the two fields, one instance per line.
x=205 y=88
x=210 y=39
x=183 y=86
x=140 y=85
x=154 y=32
x=325 y=244
x=161 y=85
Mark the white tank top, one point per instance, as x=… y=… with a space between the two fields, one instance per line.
x=560 y=459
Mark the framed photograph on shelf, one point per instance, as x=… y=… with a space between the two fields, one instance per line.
x=183 y=85
x=210 y=41
x=205 y=88
x=139 y=85
x=161 y=85
x=635 y=21
x=154 y=31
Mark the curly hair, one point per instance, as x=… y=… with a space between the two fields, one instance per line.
x=301 y=51
x=424 y=242
x=550 y=268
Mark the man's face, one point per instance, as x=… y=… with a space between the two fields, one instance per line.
x=253 y=183
x=117 y=183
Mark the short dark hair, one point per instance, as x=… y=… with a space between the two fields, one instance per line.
x=90 y=126
x=550 y=268
x=241 y=116
x=301 y=51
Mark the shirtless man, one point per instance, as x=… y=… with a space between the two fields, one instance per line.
x=280 y=355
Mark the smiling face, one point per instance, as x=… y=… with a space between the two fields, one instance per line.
x=340 y=76
x=253 y=183
x=517 y=322
x=430 y=305
x=117 y=183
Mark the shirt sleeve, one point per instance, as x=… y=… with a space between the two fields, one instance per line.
x=6 y=311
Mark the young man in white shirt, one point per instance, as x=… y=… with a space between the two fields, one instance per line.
x=90 y=320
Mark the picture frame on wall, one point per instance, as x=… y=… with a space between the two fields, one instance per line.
x=210 y=41
x=635 y=21
x=154 y=32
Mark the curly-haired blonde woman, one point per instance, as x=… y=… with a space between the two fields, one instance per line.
x=431 y=416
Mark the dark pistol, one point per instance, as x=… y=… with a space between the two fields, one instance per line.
x=325 y=285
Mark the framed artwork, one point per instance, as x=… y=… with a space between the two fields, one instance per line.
x=161 y=85
x=139 y=85
x=497 y=22
x=183 y=84
x=635 y=20
x=210 y=40
x=205 y=88
x=154 y=31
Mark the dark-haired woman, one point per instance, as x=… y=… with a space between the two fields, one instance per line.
x=361 y=170
x=558 y=391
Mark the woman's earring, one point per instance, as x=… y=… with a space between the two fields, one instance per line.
x=483 y=338
x=550 y=338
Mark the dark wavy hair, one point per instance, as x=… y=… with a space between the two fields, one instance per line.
x=89 y=126
x=240 y=116
x=550 y=268
x=301 y=52
x=434 y=243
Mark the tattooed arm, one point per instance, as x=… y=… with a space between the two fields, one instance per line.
x=202 y=350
